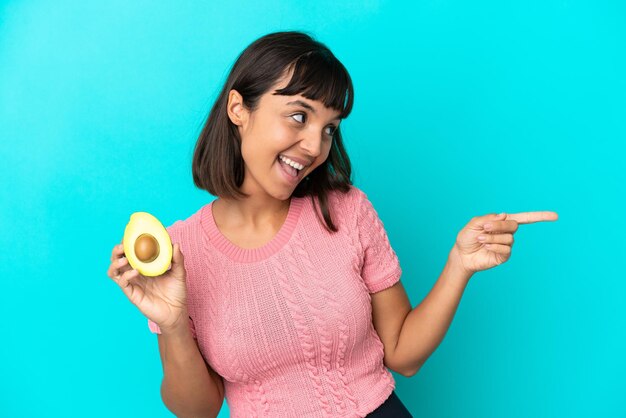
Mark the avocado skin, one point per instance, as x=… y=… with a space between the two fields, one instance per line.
x=142 y=223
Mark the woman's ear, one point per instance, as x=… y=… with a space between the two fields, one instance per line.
x=237 y=113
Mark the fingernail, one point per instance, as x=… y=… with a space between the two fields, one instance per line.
x=121 y=261
x=487 y=226
x=481 y=238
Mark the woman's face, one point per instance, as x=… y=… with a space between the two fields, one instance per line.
x=281 y=128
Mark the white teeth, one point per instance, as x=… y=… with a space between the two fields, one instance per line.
x=291 y=163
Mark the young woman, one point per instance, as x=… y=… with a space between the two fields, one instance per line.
x=288 y=300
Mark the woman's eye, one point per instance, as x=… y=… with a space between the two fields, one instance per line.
x=299 y=114
x=331 y=130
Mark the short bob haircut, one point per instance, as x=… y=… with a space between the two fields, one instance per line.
x=317 y=75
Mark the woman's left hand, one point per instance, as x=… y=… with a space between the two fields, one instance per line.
x=486 y=241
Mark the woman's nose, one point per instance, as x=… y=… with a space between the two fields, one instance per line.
x=312 y=144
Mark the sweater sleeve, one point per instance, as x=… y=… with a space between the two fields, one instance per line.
x=381 y=267
x=174 y=233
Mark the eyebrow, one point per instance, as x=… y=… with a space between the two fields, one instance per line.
x=303 y=104
x=306 y=106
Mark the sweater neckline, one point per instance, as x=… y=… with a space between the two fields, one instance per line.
x=248 y=255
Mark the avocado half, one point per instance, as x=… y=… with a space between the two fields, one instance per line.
x=147 y=245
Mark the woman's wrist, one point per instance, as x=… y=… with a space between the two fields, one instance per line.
x=180 y=327
x=455 y=265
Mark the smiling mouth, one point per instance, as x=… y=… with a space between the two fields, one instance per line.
x=295 y=164
x=291 y=171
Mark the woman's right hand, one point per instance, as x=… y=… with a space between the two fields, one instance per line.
x=163 y=299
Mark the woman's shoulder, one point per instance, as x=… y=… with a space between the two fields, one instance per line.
x=348 y=199
x=190 y=223
x=344 y=206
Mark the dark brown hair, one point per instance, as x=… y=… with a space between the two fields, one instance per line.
x=217 y=165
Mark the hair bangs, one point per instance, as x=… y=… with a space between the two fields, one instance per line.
x=318 y=76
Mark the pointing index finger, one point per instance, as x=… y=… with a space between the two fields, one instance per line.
x=532 y=217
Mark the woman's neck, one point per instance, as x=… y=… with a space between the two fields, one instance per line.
x=251 y=212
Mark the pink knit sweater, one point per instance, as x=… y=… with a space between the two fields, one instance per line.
x=289 y=325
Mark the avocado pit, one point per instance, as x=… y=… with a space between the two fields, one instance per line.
x=146 y=248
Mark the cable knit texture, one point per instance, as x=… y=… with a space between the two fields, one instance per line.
x=289 y=325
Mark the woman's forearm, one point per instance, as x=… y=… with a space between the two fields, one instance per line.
x=188 y=389
x=427 y=323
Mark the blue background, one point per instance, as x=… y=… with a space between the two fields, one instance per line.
x=461 y=109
